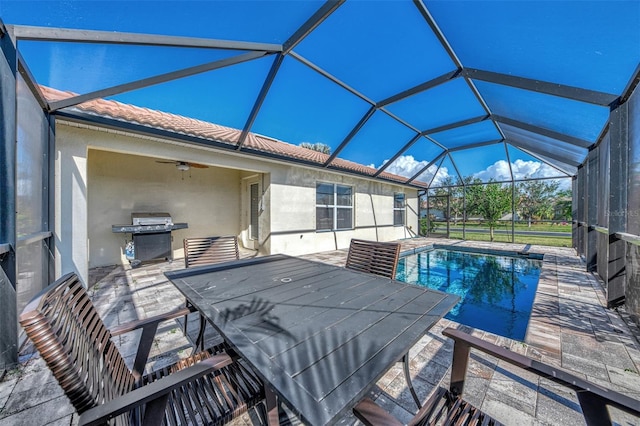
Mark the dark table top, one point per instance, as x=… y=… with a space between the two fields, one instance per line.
x=319 y=335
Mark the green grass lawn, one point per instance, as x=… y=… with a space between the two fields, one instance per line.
x=521 y=239
x=543 y=227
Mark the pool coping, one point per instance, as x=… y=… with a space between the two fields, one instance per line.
x=510 y=253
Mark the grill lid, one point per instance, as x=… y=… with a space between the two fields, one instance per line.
x=151 y=219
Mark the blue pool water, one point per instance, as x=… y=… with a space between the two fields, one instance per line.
x=496 y=292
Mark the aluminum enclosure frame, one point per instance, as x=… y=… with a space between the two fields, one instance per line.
x=588 y=212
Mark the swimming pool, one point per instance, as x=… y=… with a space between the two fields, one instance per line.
x=496 y=292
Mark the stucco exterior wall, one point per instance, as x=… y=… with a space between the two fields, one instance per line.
x=119 y=184
x=293 y=205
x=71 y=238
x=102 y=176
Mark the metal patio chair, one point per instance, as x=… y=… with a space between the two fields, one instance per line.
x=209 y=250
x=211 y=387
x=446 y=406
x=206 y=251
x=374 y=257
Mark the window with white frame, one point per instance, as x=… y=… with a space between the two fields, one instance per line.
x=334 y=207
x=398 y=209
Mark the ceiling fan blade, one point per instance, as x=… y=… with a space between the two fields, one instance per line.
x=167 y=161
x=198 y=166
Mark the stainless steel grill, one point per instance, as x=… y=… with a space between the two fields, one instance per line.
x=151 y=234
x=151 y=219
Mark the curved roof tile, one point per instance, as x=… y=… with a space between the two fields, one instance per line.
x=202 y=129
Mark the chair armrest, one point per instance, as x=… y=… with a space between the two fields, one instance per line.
x=591 y=396
x=370 y=413
x=134 y=325
x=146 y=394
x=149 y=327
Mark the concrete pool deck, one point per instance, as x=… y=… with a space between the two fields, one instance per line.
x=569 y=328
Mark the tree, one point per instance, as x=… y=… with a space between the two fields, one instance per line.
x=451 y=198
x=563 y=205
x=536 y=198
x=439 y=200
x=319 y=146
x=491 y=201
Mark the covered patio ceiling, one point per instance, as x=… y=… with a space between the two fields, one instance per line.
x=427 y=90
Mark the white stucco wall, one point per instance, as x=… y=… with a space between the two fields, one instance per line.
x=293 y=204
x=103 y=176
x=71 y=207
x=208 y=200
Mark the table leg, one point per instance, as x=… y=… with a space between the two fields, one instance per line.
x=272 y=406
x=407 y=377
x=200 y=338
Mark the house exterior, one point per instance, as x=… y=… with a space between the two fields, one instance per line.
x=113 y=159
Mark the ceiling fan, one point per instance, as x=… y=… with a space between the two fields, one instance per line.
x=183 y=166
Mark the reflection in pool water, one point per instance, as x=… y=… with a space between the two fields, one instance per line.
x=496 y=292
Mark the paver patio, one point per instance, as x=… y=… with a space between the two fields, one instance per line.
x=569 y=327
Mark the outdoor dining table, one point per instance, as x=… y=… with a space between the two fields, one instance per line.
x=320 y=336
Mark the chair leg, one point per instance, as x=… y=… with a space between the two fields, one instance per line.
x=261 y=412
x=273 y=417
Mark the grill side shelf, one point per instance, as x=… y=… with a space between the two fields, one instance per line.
x=145 y=229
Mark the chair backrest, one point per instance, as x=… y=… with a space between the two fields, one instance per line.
x=205 y=251
x=374 y=257
x=66 y=329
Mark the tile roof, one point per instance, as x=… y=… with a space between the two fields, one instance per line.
x=215 y=132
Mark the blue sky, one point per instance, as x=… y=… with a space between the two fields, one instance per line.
x=377 y=48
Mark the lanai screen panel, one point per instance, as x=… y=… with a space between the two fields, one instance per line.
x=301 y=103
x=32 y=208
x=415 y=158
x=545 y=72
x=82 y=67
x=378 y=140
x=228 y=93
x=447 y=174
x=377 y=48
x=253 y=21
x=483 y=163
x=444 y=104
x=633 y=194
x=544 y=145
x=572 y=118
x=484 y=131
x=525 y=165
x=593 y=44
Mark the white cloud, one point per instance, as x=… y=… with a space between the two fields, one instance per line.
x=406 y=166
x=498 y=171
x=532 y=169
x=442 y=174
x=521 y=170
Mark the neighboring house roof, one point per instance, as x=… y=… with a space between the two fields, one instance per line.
x=215 y=132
